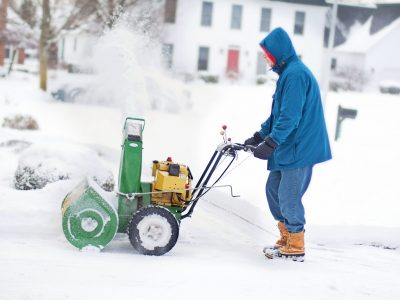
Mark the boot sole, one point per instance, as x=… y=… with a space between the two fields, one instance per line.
x=275 y=254
x=294 y=257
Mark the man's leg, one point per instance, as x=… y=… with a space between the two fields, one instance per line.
x=293 y=185
x=272 y=189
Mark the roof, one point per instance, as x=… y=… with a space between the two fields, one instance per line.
x=360 y=40
x=355 y=2
x=307 y=2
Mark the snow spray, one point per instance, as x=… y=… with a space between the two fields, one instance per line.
x=130 y=74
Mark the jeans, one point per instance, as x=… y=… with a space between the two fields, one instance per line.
x=284 y=191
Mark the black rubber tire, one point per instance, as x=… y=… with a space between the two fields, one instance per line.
x=137 y=231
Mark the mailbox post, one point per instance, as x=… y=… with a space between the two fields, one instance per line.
x=343 y=113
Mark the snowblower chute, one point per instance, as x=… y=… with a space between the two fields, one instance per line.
x=149 y=212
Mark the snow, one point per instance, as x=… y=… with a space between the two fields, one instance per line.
x=55 y=160
x=389 y=84
x=352 y=231
x=89 y=224
x=352 y=208
x=91 y=248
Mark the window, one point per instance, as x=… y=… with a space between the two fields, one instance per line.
x=236 y=21
x=265 y=19
x=299 y=20
x=167 y=53
x=7 y=53
x=206 y=14
x=333 y=64
x=170 y=11
x=75 y=44
x=261 y=64
x=203 y=58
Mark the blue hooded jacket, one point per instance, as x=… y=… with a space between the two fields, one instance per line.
x=297 y=123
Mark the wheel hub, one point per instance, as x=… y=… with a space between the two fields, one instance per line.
x=154 y=232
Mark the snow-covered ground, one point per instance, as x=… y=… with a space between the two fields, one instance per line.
x=352 y=206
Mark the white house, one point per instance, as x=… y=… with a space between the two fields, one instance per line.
x=375 y=55
x=76 y=47
x=221 y=37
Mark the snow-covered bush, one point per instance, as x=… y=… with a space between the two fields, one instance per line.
x=389 y=87
x=30 y=178
x=16 y=145
x=261 y=79
x=47 y=163
x=348 y=79
x=21 y=122
x=208 y=78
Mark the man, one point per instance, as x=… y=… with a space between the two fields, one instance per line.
x=293 y=139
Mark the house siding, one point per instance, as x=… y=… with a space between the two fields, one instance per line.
x=187 y=35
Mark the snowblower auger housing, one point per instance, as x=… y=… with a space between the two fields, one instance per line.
x=149 y=212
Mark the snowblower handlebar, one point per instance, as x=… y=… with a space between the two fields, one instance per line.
x=231 y=148
x=223 y=150
x=246 y=148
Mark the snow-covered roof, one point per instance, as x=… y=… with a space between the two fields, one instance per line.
x=386 y=1
x=307 y=2
x=360 y=40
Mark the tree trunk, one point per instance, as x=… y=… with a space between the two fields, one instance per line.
x=12 y=61
x=44 y=36
x=3 y=24
x=52 y=52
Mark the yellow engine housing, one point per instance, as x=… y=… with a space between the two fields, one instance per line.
x=172 y=183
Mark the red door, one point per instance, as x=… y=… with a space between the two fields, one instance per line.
x=233 y=63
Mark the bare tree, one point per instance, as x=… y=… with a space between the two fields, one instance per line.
x=56 y=17
x=27 y=12
x=60 y=16
x=107 y=11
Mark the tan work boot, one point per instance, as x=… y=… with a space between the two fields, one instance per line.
x=284 y=234
x=272 y=250
x=294 y=246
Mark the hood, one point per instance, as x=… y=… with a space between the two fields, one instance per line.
x=279 y=45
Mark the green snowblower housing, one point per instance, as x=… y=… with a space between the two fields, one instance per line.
x=92 y=217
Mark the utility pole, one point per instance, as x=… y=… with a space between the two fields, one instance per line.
x=327 y=69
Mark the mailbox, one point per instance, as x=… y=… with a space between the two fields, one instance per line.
x=343 y=113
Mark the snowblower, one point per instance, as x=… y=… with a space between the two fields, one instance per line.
x=149 y=212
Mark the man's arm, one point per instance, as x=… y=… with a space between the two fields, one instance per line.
x=293 y=99
x=265 y=128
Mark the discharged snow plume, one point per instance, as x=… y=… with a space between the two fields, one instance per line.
x=129 y=73
x=119 y=62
